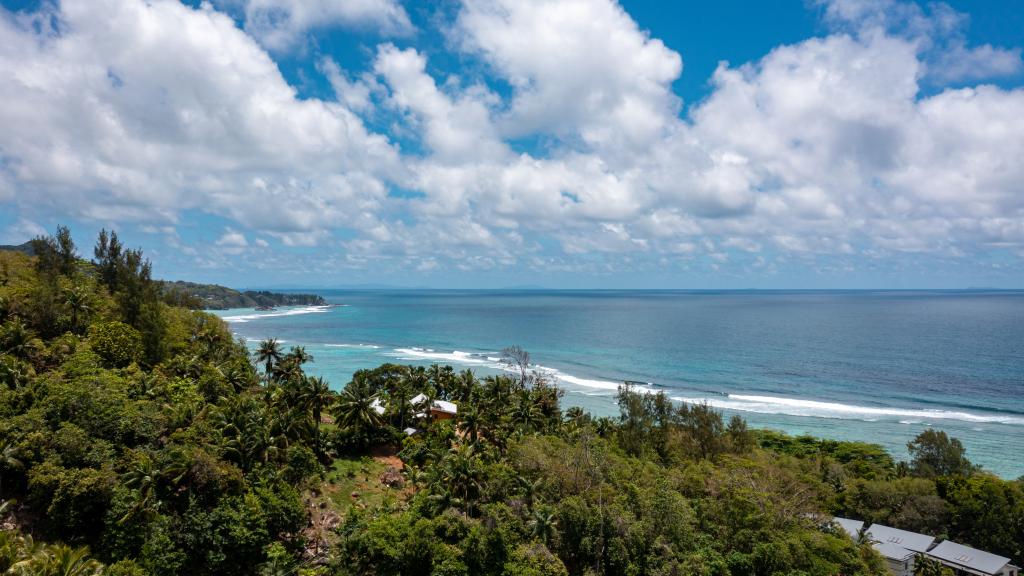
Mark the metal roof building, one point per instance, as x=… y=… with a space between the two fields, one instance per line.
x=440 y=408
x=909 y=540
x=967 y=560
x=898 y=559
x=851 y=527
x=894 y=552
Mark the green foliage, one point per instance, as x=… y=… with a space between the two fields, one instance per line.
x=987 y=512
x=55 y=255
x=534 y=560
x=858 y=459
x=925 y=566
x=933 y=453
x=73 y=498
x=908 y=503
x=214 y=297
x=125 y=568
x=117 y=343
x=20 y=554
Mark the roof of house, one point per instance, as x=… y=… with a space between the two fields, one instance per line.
x=978 y=560
x=377 y=406
x=440 y=405
x=445 y=406
x=851 y=527
x=909 y=540
x=893 y=551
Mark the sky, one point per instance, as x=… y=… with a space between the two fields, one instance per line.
x=501 y=143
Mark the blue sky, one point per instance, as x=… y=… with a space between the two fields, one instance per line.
x=492 y=143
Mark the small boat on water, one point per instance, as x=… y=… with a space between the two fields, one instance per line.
x=265 y=308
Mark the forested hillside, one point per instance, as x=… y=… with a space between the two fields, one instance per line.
x=215 y=297
x=209 y=296
x=138 y=438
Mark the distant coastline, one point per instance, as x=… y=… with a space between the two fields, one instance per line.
x=216 y=297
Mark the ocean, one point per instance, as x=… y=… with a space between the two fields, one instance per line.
x=876 y=366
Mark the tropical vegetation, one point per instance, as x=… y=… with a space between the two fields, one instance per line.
x=137 y=437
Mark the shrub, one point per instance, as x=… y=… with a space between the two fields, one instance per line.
x=117 y=343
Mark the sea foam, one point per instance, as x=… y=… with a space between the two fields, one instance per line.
x=367 y=346
x=489 y=360
x=454 y=357
x=287 y=312
x=814 y=408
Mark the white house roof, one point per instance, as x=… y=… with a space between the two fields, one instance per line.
x=909 y=540
x=445 y=406
x=851 y=527
x=377 y=406
x=439 y=405
x=893 y=552
x=976 y=560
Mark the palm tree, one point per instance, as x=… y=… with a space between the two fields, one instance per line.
x=268 y=354
x=13 y=372
x=463 y=385
x=527 y=415
x=9 y=460
x=530 y=488
x=77 y=299
x=143 y=476
x=17 y=339
x=470 y=423
x=443 y=497
x=59 y=560
x=543 y=525
x=398 y=402
x=176 y=467
x=317 y=396
x=17 y=548
x=239 y=377
x=354 y=408
x=289 y=372
x=575 y=418
x=443 y=378
x=299 y=355
x=291 y=424
x=461 y=474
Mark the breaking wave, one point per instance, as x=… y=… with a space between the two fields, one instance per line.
x=489 y=360
x=367 y=346
x=283 y=312
x=814 y=408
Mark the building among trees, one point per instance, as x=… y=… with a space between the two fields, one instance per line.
x=903 y=549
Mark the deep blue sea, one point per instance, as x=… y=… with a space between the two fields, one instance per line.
x=879 y=366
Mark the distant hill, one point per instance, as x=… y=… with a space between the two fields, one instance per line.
x=212 y=296
x=25 y=248
x=215 y=297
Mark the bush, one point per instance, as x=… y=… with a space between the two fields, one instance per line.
x=125 y=568
x=534 y=560
x=117 y=343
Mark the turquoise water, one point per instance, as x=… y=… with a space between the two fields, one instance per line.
x=873 y=366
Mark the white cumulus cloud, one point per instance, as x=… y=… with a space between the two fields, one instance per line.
x=869 y=143
x=280 y=24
